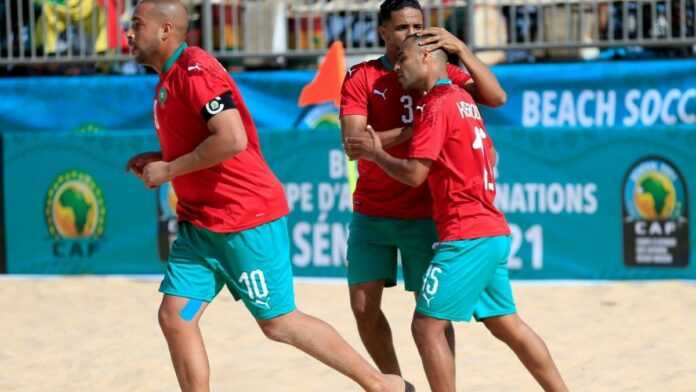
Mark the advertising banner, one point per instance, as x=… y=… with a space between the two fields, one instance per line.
x=581 y=204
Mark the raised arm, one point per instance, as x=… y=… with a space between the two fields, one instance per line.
x=484 y=87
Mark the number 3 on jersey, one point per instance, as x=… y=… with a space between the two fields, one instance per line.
x=407 y=117
x=488 y=180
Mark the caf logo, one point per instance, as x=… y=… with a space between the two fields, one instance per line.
x=655 y=215
x=167 y=225
x=74 y=207
x=75 y=214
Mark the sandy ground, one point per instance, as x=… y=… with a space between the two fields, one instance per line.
x=101 y=334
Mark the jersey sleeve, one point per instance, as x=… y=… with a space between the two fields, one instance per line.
x=207 y=90
x=458 y=75
x=354 y=92
x=429 y=133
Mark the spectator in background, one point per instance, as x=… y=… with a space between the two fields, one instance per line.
x=18 y=28
x=98 y=18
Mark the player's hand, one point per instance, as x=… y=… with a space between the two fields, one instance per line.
x=138 y=162
x=156 y=173
x=441 y=39
x=365 y=146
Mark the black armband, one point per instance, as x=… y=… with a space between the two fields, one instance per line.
x=217 y=105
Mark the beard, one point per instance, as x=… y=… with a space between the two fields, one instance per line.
x=142 y=53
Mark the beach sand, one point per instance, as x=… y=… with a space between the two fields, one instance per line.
x=101 y=334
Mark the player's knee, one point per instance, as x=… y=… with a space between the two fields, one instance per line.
x=507 y=331
x=275 y=330
x=168 y=318
x=365 y=313
x=423 y=329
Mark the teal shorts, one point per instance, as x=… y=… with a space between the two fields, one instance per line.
x=373 y=244
x=253 y=263
x=466 y=278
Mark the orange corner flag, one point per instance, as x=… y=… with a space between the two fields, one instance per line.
x=326 y=85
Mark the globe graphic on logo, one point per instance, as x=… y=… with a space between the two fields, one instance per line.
x=655 y=196
x=75 y=210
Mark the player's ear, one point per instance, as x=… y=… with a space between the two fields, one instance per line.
x=382 y=32
x=166 y=29
x=424 y=54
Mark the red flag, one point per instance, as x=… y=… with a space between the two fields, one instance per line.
x=326 y=85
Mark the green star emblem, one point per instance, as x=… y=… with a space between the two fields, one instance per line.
x=162 y=96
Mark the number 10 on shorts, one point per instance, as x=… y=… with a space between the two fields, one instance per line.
x=255 y=284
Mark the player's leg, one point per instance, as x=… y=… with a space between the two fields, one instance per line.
x=257 y=267
x=454 y=281
x=371 y=267
x=374 y=329
x=435 y=352
x=529 y=348
x=178 y=319
x=496 y=309
x=189 y=284
x=416 y=241
x=321 y=341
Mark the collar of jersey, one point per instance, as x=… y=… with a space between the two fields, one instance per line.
x=386 y=63
x=175 y=56
x=443 y=82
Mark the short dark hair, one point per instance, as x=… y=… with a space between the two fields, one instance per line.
x=389 y=6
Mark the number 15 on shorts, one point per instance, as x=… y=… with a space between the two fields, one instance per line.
x=430 y=283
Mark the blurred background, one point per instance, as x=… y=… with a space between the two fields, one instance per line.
x=597 y=139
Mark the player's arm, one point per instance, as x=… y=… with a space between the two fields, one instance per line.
x=395 y=136
x=227 y=139
x=354 y=110
x=410 y=171
x=484 y=86
x=356 y=126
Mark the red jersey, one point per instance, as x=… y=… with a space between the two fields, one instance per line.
x=236 y=194
x=372 y=89
x=448 y=130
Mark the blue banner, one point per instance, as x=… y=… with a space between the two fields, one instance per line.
x=71 y=208
x=639 y=94
x=582 y=204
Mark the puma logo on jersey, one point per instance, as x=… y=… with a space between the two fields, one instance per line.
x=420 y=108
x=382 y=94
x=350 y=71
x=194 y=67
